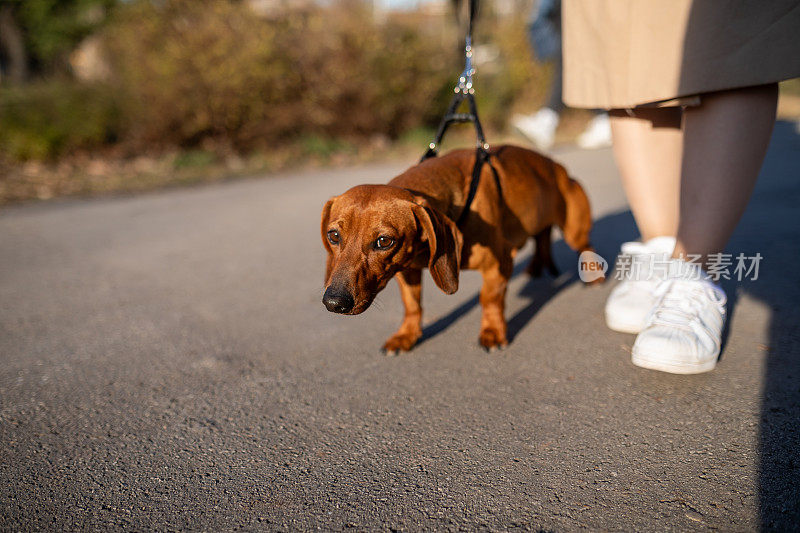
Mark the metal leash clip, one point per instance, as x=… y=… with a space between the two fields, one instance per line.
x=465 y=80
x=464 y=90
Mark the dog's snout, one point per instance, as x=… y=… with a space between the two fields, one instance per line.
x=338 y=301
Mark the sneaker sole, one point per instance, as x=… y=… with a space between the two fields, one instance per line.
x=643 y=361
x=623 y=327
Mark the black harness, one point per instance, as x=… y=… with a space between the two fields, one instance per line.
x=464 y=90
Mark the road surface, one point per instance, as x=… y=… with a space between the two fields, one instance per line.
x=167 y=364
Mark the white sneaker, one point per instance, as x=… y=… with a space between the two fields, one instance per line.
x=684 y=331
x=597 y=134
x=539 y=128
x=634 y=297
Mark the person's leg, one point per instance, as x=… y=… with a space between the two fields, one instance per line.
x=725 y=140
x=554 y=100
x=647 y=147
x=540 y=127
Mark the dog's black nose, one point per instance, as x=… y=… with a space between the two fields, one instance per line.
x=337 y=301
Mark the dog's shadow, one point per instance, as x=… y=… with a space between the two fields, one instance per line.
x=608 y=233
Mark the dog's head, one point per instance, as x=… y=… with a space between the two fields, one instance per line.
x=372 y=232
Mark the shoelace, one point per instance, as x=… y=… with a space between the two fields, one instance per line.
x=681 y=302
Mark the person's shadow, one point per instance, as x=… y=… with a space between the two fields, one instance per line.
x=771 y=227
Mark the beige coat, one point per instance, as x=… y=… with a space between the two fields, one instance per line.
x=625 y=53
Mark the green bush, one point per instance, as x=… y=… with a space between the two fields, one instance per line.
x=47 y=120
x=210 y=75
x=194 y=70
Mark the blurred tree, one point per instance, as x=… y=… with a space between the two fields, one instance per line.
x=12 y=46
x=40 y=34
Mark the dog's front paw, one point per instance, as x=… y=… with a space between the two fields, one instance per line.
x=399 y=342
x=493 y=339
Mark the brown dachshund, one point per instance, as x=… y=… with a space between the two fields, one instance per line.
x=375 y=232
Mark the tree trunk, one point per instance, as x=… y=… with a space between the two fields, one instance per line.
x=13 y=45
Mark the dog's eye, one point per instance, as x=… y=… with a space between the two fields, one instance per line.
x=333 y=236
x=384 y=243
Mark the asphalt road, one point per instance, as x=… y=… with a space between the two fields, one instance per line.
x=166 y=363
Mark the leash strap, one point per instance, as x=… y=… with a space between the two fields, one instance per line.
x=464 y=90
x=481 y=156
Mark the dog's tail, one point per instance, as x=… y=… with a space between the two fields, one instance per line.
x=577 y=218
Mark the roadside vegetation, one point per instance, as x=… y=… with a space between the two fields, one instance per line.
x=101 y=96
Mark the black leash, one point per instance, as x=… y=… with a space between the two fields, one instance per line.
x=464 y=90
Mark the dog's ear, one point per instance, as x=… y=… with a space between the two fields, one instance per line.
x=444 y=241
x=326 y=215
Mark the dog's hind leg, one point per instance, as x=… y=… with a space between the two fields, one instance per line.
x=410 y=282
x=542 y=255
